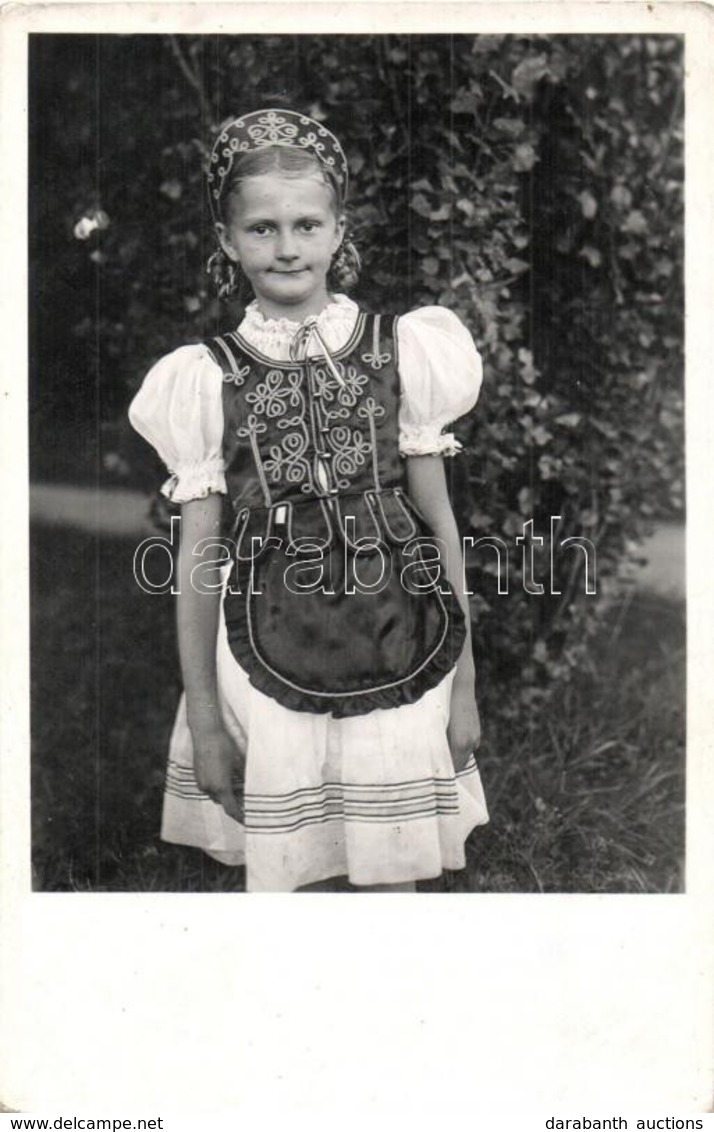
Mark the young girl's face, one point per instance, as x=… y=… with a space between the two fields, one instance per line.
x=283 y=231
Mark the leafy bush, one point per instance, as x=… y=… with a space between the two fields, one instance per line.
x=533 y=185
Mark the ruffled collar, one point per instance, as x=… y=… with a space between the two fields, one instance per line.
x=273 y=336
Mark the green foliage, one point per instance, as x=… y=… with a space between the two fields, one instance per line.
x=533 y=185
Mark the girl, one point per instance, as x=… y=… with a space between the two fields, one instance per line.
x=328 y=724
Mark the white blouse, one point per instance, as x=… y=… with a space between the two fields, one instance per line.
x=179 y=408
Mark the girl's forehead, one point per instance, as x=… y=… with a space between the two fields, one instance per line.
x=275 y=189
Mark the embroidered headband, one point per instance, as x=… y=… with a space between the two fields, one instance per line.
x=271 y=127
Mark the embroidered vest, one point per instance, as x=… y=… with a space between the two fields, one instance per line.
x=336 y=600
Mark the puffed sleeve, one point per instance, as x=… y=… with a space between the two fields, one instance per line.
x=440 y=374
x=179 y=410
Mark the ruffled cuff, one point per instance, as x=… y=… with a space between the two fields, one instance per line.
x=195 y=481
x=427 y=440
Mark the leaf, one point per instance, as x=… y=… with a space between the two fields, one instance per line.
x=171 y=189
x=528 y=74
x=512 y=524
x=528 y=372
x=569 y=420
x=480 y=520
x=514 y=127
x=517 y=266
x=549 y=466
x=478 y=605
x=636 y=223
x=466 y=102
x=605 y=427
x=420 y=244
x=532 y=399
x=430 y=265
x=525 y=500
x=442 y=213
x=621 y=196
x=524 y=158
x=486 y=44
x=453 y=140
x=592 y=255
x=421 y=205
x=588 y=204
x=541 y=435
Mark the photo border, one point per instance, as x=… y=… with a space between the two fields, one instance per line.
x=506 y=1005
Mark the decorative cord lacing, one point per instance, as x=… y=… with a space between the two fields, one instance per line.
x=301 y=341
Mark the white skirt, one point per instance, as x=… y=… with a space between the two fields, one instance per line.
x=372 y=797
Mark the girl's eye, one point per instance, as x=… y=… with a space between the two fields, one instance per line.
x=260 y=229
x=310 y=225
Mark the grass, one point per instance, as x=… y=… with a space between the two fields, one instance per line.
x=585 y=797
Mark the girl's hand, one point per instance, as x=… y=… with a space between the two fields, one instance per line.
x=217 y=762
x=464 y=730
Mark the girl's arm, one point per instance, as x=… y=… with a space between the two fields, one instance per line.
x=427 y=487
x=215 y=753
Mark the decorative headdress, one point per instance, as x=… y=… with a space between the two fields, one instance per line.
x=271 y=127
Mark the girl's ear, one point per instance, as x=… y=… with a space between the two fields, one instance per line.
x=224 y=240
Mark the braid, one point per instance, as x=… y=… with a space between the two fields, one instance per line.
x=345 y=267
x=228 y=278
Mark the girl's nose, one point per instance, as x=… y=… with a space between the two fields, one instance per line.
x=286 y=247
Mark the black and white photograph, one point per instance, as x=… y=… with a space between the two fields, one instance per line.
x=357 y=488
x=493 y=326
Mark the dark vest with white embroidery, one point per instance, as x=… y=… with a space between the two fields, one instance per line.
x=336 y=602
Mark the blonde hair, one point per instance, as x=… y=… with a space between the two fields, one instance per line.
x=289 y=161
